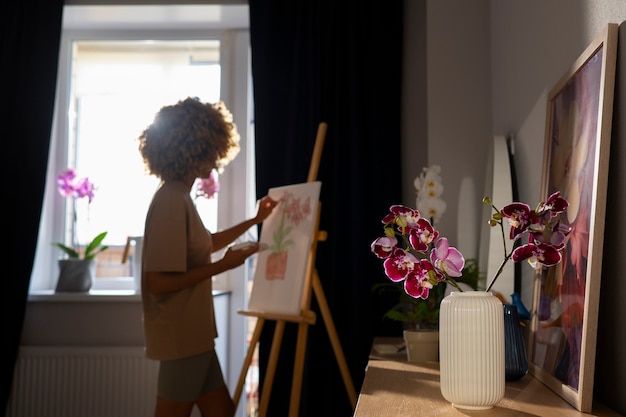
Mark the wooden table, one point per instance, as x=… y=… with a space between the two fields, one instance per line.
x=395 y=388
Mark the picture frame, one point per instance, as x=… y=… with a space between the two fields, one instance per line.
x=564 y=317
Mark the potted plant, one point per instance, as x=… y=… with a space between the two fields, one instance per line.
x=420 y=317
x=76 y=272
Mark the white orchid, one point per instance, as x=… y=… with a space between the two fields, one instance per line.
x=428 y=188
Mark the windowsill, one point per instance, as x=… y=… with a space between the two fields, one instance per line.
x=98 y=293
x=93 y=295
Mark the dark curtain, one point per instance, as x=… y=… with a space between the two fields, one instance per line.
x=337 y=62
x=30 y=48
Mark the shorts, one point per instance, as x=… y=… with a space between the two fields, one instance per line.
x=187 y=379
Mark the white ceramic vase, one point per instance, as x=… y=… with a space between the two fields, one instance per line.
x=471 y=350
x=421 y=345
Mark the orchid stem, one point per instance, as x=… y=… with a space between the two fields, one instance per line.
x=507 y=256
x=454 y=284
x=506 y=259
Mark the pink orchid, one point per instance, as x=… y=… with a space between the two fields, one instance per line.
x=537 y=254
x=402 y=216
x=383 y=246
x=70 y=186
x=399 y=264
x=547 y=235
x=422 y=234
x=519 y=217
x=403 y=263
x=418 y=282
x=447 y=259
x=208 y=187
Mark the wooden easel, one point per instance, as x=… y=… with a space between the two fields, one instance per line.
x=304 y=319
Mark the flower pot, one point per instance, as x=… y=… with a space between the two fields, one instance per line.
x=471 y=350
x=76 y=275
x=421 y=345
x=276 y=266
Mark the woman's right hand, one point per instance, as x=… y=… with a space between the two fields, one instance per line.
x=265 y=208
x=235 y=257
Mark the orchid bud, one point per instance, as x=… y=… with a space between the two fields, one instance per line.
x=401 y=221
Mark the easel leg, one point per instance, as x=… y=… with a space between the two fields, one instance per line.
x=271 y=367
x=296 y=387
x=246 y=365
x=334 y=338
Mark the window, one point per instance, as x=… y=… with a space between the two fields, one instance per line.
x=112 y=81
x=116 y=88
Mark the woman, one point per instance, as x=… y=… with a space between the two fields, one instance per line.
x=187 y=141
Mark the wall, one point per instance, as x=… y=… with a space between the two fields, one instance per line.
x=490 y=64
x=450 y=124
x=100 y=320
x=414 y=83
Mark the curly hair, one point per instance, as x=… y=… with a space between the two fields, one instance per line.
x=187 y=137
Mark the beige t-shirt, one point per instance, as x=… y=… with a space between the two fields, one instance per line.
x=181 y=323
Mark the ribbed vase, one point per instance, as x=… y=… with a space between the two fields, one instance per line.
x=516 y=361
x=471 y=350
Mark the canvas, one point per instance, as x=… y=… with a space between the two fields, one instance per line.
x=281 y=269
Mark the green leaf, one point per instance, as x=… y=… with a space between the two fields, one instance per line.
x=94 y=246
x=397 y=316
x=69 y=251
x=93 y=249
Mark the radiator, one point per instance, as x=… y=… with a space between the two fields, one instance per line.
x=83 y=382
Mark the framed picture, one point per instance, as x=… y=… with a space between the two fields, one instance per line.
x=564 y=320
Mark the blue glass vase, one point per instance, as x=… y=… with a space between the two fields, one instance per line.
x=516 y=361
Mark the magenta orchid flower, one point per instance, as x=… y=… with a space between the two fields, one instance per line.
x=519 y=217
x=409 y=236
x=547 y=227
x=409 y=263
x=422 y=234
x=551 y=234
x=537 y=255
x=208 y=187
x=384 y=246
x=402 y=216
x=65 y=182
x=555 y=204
x=547 y=235
x=418 y=282
x=70 y=186
x=399 y=264
x=420 y=231
x=447 y=259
